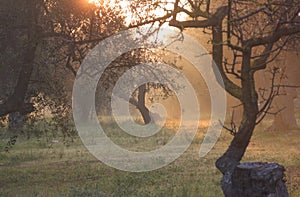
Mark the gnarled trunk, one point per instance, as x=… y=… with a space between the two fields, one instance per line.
x=229 y=162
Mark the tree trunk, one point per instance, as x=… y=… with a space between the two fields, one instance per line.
x=15 y=103
x=141 y=105
x=237 y=148
x=229 y=164
x=231 y=158
x=259 y=179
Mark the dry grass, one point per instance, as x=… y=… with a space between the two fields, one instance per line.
x=40 y=168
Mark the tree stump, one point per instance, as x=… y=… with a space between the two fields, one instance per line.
x=257 y=179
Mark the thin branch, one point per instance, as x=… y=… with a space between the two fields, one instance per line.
x=231 y=130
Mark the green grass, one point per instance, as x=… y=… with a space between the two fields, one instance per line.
x=38 y=167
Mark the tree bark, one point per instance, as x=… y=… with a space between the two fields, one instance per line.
x=141 y=105
x=258 y=179
x=248 y=180
x=230 y=159
x=15 y=102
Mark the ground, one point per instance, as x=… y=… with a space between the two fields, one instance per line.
x=36 y=167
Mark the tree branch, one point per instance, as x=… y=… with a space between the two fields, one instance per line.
x=215 y=19
x=281 y=32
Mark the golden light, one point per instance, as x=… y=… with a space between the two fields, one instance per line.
x=123 y=7
x=125 y=4
x=96 y=2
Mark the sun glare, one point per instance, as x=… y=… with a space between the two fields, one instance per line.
x=123 y=6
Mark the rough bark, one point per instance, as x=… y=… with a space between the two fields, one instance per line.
x=258 y=179
x=231 y=158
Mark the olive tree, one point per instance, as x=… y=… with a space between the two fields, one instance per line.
x=39 y=33
x=252 y=33
x=51 y=39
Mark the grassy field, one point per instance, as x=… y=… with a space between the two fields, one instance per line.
x=37 y=167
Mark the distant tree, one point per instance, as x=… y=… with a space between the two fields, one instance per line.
x=285 y=104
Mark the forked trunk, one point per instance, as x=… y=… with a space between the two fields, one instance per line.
x=251 y=179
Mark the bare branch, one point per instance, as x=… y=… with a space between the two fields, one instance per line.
x=211 y=21
x=282 y=32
